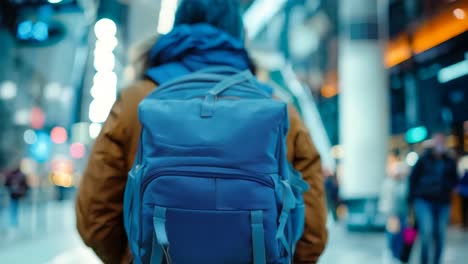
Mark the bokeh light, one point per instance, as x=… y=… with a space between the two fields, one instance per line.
x=412 y=158
x=105 y=28
x=29 y=137
x=40 y=150
x=59 y=135
x=37 y=118
x=77 y=150
x=8 y=90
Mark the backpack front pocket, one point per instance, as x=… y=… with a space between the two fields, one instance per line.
x=213 y=237
x=210 y=218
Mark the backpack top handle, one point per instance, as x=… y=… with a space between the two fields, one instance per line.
x=207 y=108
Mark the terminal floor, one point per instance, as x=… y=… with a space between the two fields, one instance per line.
x=47 y=235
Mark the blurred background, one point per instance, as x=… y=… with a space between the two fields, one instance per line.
x=372 y=79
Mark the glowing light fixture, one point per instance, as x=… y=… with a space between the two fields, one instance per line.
x=105 y=28
x=412 y=158
x=98 y=111
x=453 y=72
x=167 y=16
x=94 y=130
x=104 y=61
x=459 y=13
x=104 y=89
x=416 y=134
x=8 y=90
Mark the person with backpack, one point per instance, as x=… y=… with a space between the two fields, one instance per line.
x=431 y=183
x=197 y=169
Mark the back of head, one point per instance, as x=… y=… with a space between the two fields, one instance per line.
x=222 y=14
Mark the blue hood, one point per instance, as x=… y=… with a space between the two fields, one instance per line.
x=188 y=48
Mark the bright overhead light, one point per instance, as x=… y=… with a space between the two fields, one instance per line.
x=167 y=16
x=55 y=1
x=105 y=79
x=104 y=87
x=412 y=158
x=106 y=44
x=104 y=61
x=103 y=93
x=105 y=29
x=459 y=13
x=453 y=72
x=8 y=90
x=94 y=130
x=99 y=110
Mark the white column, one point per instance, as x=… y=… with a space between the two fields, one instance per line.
x=363 y=101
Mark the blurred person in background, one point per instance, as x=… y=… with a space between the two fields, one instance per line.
x=206 y=33
x=462 y=188
x=17 y=185
x=432 y=181
x=332 y=192
x=393 y=204
x=4 y=197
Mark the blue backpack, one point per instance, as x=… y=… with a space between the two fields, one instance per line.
x=211 y=183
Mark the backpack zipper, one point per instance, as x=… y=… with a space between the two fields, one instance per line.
x=223 y=173
x=240 y=88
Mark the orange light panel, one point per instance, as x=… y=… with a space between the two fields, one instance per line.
x=441 y=28
x=398 y=51
x=446 y=25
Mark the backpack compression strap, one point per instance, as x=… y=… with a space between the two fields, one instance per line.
x=258 y=237
x=160 y=240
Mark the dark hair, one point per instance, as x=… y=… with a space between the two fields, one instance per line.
x=223 y=14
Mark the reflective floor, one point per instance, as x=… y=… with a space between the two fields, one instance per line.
x=47 y=235
x=370 y=248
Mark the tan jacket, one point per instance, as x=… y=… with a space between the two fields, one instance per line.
x=99 y=203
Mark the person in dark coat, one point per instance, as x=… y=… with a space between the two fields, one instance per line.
x=432 y=181
x=462 y=189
